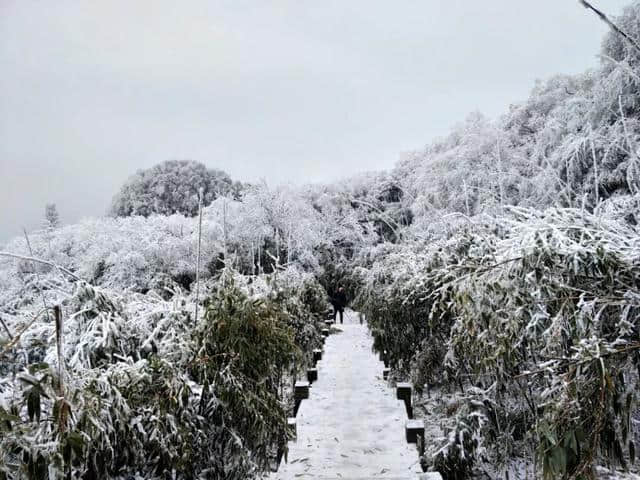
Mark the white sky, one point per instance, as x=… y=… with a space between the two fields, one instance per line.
x=289 y=91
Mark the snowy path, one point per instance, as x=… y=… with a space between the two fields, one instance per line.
x=352 y=426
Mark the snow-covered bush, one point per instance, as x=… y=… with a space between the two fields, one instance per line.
x=148 y=390
x=543 y=313
x=244 y=348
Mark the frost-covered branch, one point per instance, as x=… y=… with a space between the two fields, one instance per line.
x=611 y=25
x=41 y=261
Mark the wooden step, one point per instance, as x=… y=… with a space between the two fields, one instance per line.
x=403 y=392
x=317 y=355
x=414 y=429
x=301 y=390
x=429 y=476
x=293 y=426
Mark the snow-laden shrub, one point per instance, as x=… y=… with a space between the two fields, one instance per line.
x=542 y=313
x=146 y=390
x=456 y=458
x=244 y=349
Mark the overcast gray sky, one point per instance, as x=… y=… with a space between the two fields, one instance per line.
x=290 y=91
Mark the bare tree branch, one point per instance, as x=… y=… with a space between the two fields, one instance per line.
x=611 y=25
x=18 y=335
x=44 y=298
x=6 y=328
x=44 y=262
x=200 y=199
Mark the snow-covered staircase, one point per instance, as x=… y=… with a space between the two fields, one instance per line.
x=352 y=426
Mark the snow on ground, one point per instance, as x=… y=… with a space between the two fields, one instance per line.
x=352 y=425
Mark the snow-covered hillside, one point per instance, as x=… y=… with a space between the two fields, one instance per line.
x=499 y=268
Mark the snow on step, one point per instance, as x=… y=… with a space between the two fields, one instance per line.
x=351 y=426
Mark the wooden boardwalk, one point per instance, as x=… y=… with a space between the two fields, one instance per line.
x=352 y=425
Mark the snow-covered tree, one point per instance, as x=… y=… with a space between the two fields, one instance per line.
x=171 y=187
x=51 y=217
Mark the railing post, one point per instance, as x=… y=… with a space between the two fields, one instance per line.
x=300 y=392
x=404 y=392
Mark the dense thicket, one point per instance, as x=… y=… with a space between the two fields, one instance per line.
x=532 y=324
x=148 y=391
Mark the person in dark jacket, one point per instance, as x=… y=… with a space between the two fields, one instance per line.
x=339 y=302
